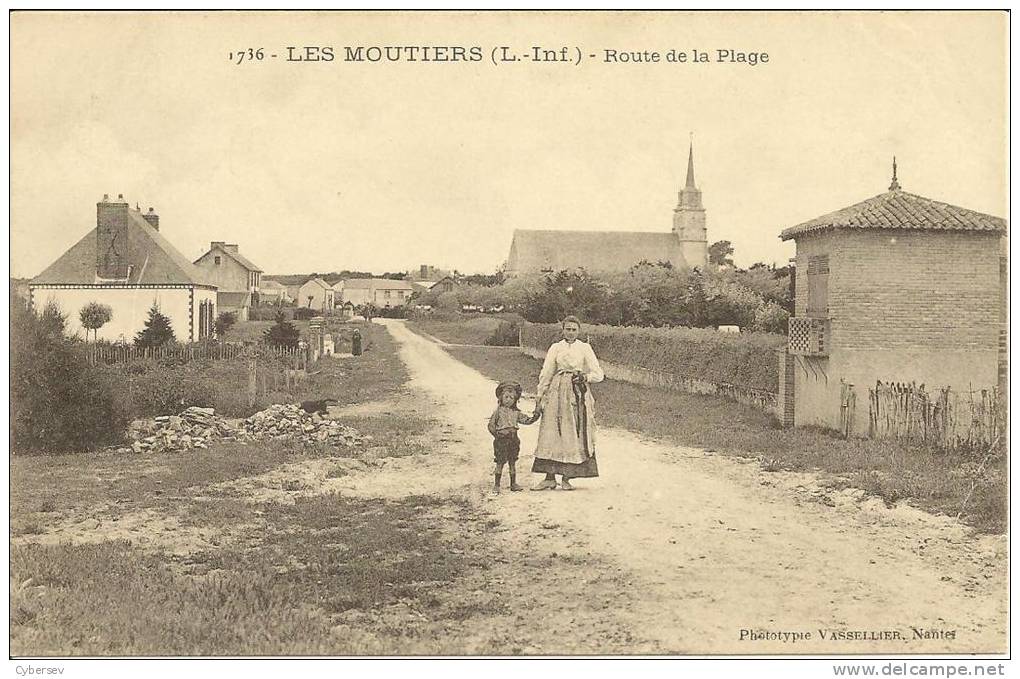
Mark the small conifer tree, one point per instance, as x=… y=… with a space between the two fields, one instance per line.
x=157 y=331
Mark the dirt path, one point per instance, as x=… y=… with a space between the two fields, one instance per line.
x=713 y=546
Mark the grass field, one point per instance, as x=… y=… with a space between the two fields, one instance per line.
x=937 y=482
x=469 y=330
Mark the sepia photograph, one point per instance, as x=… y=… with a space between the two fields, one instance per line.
x=491 y=334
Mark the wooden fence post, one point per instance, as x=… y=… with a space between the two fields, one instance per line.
x=252 y=384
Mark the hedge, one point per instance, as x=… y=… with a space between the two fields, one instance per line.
x=746 y=360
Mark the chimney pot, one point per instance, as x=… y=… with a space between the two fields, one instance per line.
x=150 y=210
x=120 y=196
x=106 y=197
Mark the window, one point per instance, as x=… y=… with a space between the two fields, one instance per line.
x=216 y=260
x=818 y=286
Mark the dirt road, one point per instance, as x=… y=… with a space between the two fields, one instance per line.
x=716 y=552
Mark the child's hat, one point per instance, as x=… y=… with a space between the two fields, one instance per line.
x=503 y=386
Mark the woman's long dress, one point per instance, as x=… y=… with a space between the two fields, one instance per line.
x=566 y=435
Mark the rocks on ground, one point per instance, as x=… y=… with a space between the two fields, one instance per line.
x=195 y=427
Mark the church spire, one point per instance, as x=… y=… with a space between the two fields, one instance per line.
x=690 y=165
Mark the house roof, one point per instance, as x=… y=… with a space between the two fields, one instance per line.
x=898 y=209
x=236 y=256
x=153 y=259
x=318 y=281
x=233 y=299
x=377 y=284
x=539 y=250
x=288 y=279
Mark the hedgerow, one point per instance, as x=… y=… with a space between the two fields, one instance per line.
x=745 y=360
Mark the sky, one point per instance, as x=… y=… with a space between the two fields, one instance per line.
x=324 y=166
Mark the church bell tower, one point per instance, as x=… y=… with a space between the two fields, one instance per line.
x=689 y=220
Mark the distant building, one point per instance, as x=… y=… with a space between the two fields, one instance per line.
x=316 y=294
x=685 y=247
x=127 y=264
x=292 y=282
x=382 y=292
x=898 y=289
x=274 y=292
x=236 y=276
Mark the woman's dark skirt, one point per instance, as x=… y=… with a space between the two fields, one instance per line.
x=582 y=470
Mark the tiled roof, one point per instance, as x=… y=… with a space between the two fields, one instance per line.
x=237 y=257
x=318 y=281
x=535 y=250
x=152 y=258
x=376 y=284
x=901 y=210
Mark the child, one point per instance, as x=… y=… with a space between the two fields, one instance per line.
x=503 y=427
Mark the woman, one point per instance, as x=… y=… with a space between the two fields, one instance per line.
x=566 y=437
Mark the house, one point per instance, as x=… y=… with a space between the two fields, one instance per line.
x=237 y=278
x=316 y=294
x=337 y=283
x=444 y=284
x=382 y=292
x=899 y=290
x=685 y=247
x=128 y=264
x=273 y=293
x=292 y=282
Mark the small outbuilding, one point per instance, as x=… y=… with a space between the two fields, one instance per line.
x=899 y=298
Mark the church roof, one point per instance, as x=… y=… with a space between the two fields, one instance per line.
x=534 y=250
x=154 y=260
x=896 y=209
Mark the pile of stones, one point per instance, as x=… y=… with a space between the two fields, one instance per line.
x=291 y=422
x=196 y=427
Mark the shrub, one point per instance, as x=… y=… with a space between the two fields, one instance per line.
x=157 y=331
x=745 y=360
x=224 y=322
x=506 y=334
x=303 y=313
x=282 y=334
x=59 y=403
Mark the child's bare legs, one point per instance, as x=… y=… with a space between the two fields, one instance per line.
x=513 y=476
x=498 y=473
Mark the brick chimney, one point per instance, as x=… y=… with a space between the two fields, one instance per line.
x=217 y=244
x=112 y=251
x=152 y=218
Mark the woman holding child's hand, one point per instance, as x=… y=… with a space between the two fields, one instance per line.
x=566 y=436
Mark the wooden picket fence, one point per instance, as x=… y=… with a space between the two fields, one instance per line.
x=944 y=418
x=113 y=354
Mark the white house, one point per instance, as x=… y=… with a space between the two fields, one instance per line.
x=274 y=292
x=127 y=264
x=382 y=292
x=236 y=277
x=316 y=294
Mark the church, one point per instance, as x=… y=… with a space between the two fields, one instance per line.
x=685 y=247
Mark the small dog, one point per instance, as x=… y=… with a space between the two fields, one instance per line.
x=320 y=406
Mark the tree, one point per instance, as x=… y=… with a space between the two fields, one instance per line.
x=157 y=331
x=568 y=292
x=224 y=322
x=719 y=253
x=282 y=333
x=59 y=402
x=94 y=316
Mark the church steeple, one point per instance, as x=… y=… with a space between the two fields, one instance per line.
x=690 y=165
x=689 y=223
